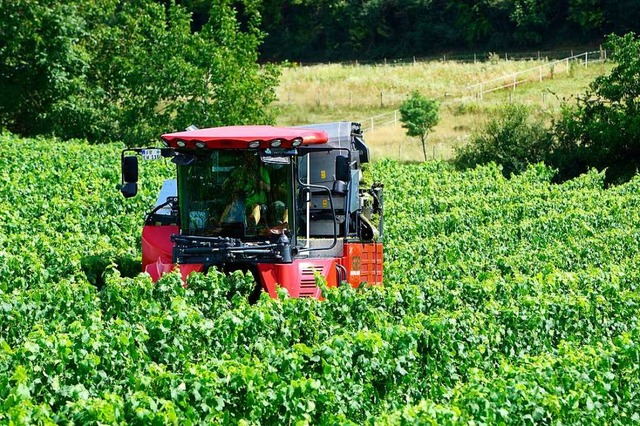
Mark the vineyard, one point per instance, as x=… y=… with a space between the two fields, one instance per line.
x=505 y=302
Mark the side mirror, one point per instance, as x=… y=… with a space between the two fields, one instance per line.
x=343 y=168
x=130 y=169
x=129 y=189
x=129 y=186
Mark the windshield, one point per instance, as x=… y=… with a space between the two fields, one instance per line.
x=234 y=193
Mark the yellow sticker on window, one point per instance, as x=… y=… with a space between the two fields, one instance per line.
x=323 y=174
x=325 y=203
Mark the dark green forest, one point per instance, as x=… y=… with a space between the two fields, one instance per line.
x=327 y=30
x=335 y=30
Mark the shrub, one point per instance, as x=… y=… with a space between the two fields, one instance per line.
x=603 y=130
x=513 y=139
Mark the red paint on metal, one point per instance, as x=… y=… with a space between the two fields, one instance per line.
x=297 y=277
x=157 y=252
x=238 y=137
x=362 y=261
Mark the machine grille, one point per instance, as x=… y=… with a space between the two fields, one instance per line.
x=308 y=286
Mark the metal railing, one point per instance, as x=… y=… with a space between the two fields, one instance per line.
x=539 y=73
x=509 y=81
x=454 y=57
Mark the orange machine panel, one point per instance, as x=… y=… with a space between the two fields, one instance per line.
x=363 y=263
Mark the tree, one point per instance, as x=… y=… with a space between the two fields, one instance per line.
x=603 y=129
x=514 y=138
x=587 y=14
x=531 y=18
x=168 y=77
x=43 y=60
x=419 y=115
x=111 y=70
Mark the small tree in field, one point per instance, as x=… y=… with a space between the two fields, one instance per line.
x=419 y=115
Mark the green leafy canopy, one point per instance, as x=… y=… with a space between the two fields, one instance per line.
x=505 y=301
x=603 y=129
x=108 y=70
x=419 y=115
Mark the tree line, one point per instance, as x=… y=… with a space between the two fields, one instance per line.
x=129 y=71
x=112 y=70
x=326 y=30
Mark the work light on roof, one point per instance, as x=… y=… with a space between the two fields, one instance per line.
x=200 y=144
x=181 y=144
x=275 y=143
x=254 y=144
x=296 y=142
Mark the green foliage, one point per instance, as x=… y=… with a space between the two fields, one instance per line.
x=505 y=301
x=514 y=139
x=588 y=14
x=530 y=17
x=419 y=115
x=603 y=130
x=131 y=71
x=42 y=61
x=330 y=30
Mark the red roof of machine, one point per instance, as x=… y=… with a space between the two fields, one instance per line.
x=239 y=137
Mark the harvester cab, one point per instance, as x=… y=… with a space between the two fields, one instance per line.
x=283 y=203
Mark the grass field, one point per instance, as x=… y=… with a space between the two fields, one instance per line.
x=358 y=92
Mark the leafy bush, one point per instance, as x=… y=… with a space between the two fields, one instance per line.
x=107 y=70
x=513 y=139
x=603 y=129
x=505 y=301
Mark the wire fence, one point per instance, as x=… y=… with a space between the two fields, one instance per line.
x=539 y=55
x=507 y=82
x=538 y=73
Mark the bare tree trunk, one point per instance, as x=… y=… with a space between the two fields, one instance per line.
x=423 y=139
